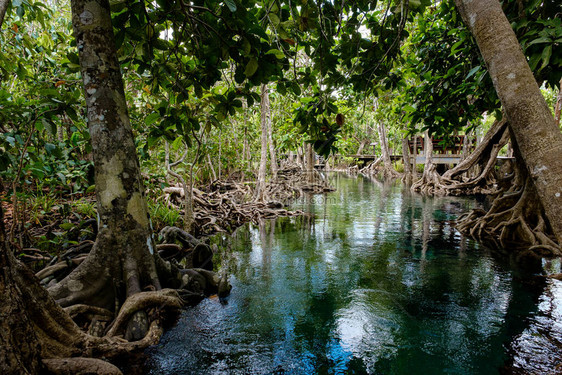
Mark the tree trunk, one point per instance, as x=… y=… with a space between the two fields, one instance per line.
x=558 y=106
x=121 y=262
x=530 y=119
x=414 y=158
x=384 y=146
x=187 y=199
x=19 y=346
x=310 y=162
x=407 y=179
x=3 y=8
x=260 y=183
x=430 y=177
x=389 y=171
x=272 y=156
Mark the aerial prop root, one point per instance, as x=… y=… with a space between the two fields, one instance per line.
x=515 y=218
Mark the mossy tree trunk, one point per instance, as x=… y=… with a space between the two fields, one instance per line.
x=533 y=126
x=122 y=260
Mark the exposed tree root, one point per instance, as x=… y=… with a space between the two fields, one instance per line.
x=228 y=204
x=80 y=366
x=515 y=221
x=473 y=175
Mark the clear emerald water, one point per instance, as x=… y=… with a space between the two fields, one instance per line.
x=376 y=281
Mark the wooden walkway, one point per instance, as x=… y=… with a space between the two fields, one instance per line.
x=447 y=159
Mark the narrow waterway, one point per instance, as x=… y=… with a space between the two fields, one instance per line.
x=375 y=281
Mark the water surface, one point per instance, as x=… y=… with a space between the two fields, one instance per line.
x=375 y=281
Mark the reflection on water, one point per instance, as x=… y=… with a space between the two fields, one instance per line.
x=377 y=281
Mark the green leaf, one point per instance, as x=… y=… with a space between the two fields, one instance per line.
x=231 y=5
x=472 y=71
x=66 y=226
x=251 y=67
x=280 y=55
x=540 y=40
x=546 y=53
x=274 y=19
x=150 y=119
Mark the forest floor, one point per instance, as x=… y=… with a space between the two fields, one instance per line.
x=53 y=227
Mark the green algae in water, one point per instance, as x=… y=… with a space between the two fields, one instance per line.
x=378 y=281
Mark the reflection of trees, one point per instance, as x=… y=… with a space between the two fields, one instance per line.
x=387 y=294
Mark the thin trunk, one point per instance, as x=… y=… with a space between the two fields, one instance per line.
x=406 y=158
x=272 y=157
x=558 y=106
x=188 y=207
x=260 y=183
x=310 y=162
x=384 y=147
x=465 y=145
x=220 y=155
x=211 y=168
x=530 y=119
x=414 y=157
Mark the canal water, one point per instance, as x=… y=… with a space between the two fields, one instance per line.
x=375 y=280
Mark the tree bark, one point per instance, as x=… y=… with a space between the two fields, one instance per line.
x=310 y=162
x=530 y=119
x=19 y=346
x=272 y=156
x=384 y=146
x=407 y=179
x=260 y=183
x=414 y=157
x=188 y=204
x=122 y=261
x=3 y=8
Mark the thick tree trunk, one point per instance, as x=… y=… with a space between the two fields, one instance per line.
x=19 y=346
x=530 y=119
x=3 y=8
x=260 y=183
x=121 y=262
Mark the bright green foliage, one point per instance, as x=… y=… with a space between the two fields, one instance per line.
x=43 y=130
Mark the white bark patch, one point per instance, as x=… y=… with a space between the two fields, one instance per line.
x=472 y=19
x=111 y=186
x=511 y=76
x=86 y=17
x=75 y=285
x=557 y=195
x=91 y=91
x=136 y=207
x=149 y=244
x=540 y=169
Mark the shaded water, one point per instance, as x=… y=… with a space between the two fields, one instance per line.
x=378 y=282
